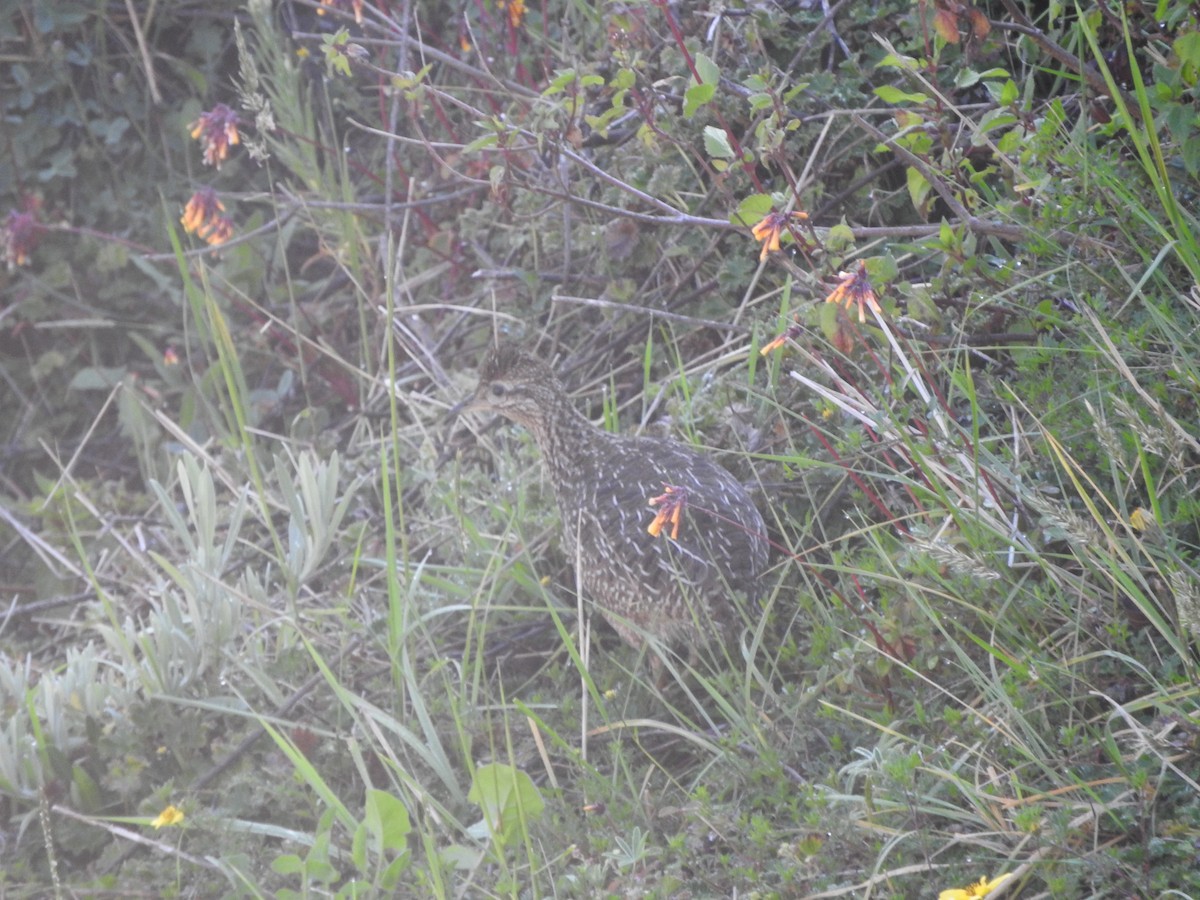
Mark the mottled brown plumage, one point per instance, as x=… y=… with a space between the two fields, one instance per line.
x=678 y=590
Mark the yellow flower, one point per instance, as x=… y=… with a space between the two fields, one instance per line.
x=855 y=287
x=771 y=227
x=980 y=889
x=170 y=816
x=1141 y=519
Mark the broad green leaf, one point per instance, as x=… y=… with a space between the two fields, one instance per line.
x=695 y=97
x=897 y=61
x=624 y=79
x=840 y=237
x=98 y=378
x=882 y=269
x=716 y=143
x=707 y=70
x=388 y=820
x=505 y=794
x=890 y=94
x=752 y=209
x=918 y=187
x=560 y=82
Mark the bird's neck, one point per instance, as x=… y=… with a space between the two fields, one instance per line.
x=564 y=437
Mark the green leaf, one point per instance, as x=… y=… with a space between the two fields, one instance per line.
x=506 y=795
x=897 y=61
x=98 y=378
x=334 y=47
x=827 y=320
x=993 y=120
x=358 y=847
x=752 y=209
x=882 y=269
x=695 y=97
x=89 y=792
x=793 y=92
x=1187 y=48
x=890 y=94
x=1191 y=156
x=1180 y=120
x=410 y=80
x=390 y=878
x=707 y=70
x=716 y=143
x=918 y=188
x=462 y=858
x=289 y=864
x=387 y=819
x=624 y=79
x=560 y=82
x=840 y=237
x=1009 y=142
x=968 y=77
x=488 y=140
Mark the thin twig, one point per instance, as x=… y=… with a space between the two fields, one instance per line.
x=147 y=62
x=205 y=862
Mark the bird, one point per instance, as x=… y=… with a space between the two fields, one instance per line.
x=663 y=538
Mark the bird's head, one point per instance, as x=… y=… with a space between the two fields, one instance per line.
x=516 y=385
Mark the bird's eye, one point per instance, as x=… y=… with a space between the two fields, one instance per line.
x=499 y=390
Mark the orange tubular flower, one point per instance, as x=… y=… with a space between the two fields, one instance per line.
x=356 y=5
x=791 y=332
x=218 y=231
x=769 y=230
x=217 y=131
x=202 y=217
x=855 y=287
x=671 y=504
x=514 y=9
x=203 y=206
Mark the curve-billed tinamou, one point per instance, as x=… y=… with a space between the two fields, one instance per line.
x=677 y=586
